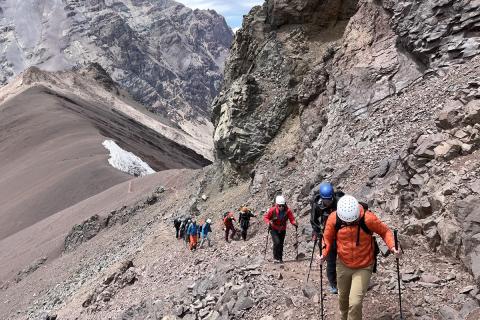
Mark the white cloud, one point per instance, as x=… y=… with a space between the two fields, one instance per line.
x=221 y=6
x=232 y=10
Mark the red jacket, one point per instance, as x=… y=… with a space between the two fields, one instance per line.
x=228 y=220
x=353 y=256
x=279 y=220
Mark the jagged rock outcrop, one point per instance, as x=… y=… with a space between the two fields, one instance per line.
x=310 y=57
x=167 y=56
x=364 y=97
x=89 y=228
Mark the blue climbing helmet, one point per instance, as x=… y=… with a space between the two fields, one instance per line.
x=326 y=190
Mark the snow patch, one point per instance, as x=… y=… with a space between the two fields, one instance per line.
x=126 y=161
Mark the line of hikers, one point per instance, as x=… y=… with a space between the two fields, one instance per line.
x=244 y=216
x=188 y=229
x=343 y=228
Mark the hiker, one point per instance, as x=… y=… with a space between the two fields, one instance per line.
x=192 y=232
x=244 y=220
x=199 y=230
x=228 y=222
x=176 y=223
x=352 y=228
x=276 y=219
x=186 y=236
x=323 y=204
x=183 y=228
x=205 y=232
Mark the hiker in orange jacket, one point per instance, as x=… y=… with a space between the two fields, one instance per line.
x=355 y=250
x=276 y=219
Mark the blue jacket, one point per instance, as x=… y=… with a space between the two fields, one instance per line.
x=206 y=229
x=192 y=230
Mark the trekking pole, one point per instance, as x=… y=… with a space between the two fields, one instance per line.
x=395 y=233
x=266 y=245
x=311 y=259
x=321 y=290
x=296 y=242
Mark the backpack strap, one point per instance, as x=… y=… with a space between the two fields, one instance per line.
x=338 y=224
x=361 y=224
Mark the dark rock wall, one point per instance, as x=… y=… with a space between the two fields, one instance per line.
x=353 y=92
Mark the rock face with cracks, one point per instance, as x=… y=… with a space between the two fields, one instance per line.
x=379 y=97
x=309 y=58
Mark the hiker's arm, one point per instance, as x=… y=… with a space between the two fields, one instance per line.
x=268 y=217
x=313 y=219
x=380 y=228
x=328 y=235
x=291 y=217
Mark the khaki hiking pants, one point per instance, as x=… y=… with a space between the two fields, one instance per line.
x=352 y=286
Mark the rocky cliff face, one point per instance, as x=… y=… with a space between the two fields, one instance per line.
x=353 y=92
x=167 y=56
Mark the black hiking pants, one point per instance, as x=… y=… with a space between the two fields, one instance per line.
x=177 y=232
x=331 y=264
x=244 y=234
x=227 y=231
x=278 y=239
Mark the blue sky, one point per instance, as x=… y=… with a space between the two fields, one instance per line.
x=232 y=10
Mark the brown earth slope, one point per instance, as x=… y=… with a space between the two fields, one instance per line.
x=52 y=155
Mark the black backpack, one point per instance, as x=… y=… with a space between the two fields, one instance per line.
x=361 y=224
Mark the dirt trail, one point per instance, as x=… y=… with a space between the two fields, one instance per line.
x=166 y=268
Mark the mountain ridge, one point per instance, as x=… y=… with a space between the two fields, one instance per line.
x=167 y=56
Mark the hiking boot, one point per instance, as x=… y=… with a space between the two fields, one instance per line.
x=277 y=261
x=333 y=290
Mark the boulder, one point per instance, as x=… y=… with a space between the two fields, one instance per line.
x=448 y=150
x=243 y=303
x=426 y=145
x=448 y=313
x=422 y=208
x=475 y=186
x=413 y=227
x=410 y=277
x=417 y=164
x=449 y=232
x=450 y=116
x=309 y=291
x=430 y=278
x=468 y=307
x=472 y=112
x=433 y=238
x=417 y=181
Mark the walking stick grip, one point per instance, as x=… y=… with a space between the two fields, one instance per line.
x=395 y=236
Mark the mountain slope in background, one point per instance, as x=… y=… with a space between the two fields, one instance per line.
x=52 y=152
x=167 y=56
x=379 y=97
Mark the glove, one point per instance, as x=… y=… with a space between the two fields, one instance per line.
x=321 y=259
x=396 y=253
